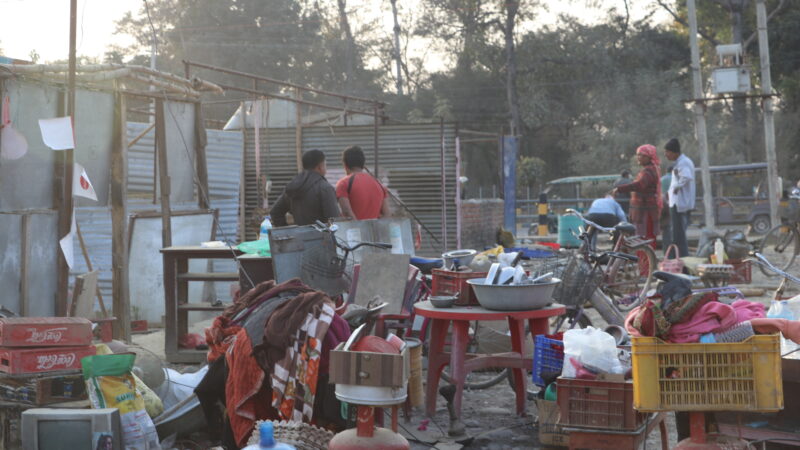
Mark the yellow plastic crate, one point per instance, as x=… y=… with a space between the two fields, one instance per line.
x=743 y=376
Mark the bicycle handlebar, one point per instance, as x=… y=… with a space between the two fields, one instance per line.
x=764 y=262
x=587 y=221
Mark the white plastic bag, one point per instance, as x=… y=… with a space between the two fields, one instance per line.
x=595 y=349
x=789 y=310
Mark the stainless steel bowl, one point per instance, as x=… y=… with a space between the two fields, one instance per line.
x=443 y=301
x=521 y=297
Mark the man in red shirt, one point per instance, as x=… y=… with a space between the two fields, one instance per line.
x=360 y=195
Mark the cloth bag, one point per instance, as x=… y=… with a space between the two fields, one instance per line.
x=673 y=265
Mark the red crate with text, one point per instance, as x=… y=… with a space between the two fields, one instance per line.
x=45 y=331
x=41 y=360
x=742 y=271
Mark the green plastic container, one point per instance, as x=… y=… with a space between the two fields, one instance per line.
x=566 y=223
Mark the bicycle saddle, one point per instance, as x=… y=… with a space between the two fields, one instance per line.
x=668 y=276
x=625 y=228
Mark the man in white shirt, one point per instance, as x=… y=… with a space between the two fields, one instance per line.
x=681 y=194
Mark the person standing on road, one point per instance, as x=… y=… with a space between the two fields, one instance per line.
x=360 y=195
x=624 y=200
x=681 y=194
x=646 y=201
x=308 y=197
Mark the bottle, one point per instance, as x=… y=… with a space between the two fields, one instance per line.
x=266 y=225
x=719 y=252
x=267 y=440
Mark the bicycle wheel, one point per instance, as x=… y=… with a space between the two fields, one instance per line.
x=483 y=379
x=627 y=281
x=780 y=246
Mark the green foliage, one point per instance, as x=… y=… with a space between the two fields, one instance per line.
x=530 y=170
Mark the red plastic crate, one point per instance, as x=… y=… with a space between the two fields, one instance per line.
x=45 y=331
x=448 y=282
x=742 y=271
x=598 y=404
x=44 y=359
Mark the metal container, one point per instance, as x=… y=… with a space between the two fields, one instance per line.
x=514 y=297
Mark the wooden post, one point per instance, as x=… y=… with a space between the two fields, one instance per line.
x=243 y=183
x=163 y=175
x=774 y=188
x=24 y=264
x=298 y=130
x=699 y=117
x=200 y=141
x=119 y=223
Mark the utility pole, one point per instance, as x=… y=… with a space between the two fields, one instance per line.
x=699 y=117
x=397 y=60
x=769 y=120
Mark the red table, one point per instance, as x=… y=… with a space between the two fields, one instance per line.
x=462 y=363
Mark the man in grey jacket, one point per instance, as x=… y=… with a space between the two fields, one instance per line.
x=309 y=196
x=681 y=194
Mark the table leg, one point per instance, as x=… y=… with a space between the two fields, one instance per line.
x=436 y=363
x=458 y=350
x=539 y=326
x=517 y=328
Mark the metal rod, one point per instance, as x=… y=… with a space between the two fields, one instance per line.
x=282 y=83
x=295 y=100
x=699 y=116
x=774 y=188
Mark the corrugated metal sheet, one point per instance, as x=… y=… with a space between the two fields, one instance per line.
x=224 y=154
x=409 y=165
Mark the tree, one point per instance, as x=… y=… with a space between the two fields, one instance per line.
x=283 y=39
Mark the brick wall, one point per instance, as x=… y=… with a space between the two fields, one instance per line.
x=480 y=220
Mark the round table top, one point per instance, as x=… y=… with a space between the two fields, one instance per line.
x=426 y=309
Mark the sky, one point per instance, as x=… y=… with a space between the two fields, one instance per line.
x=43 y=25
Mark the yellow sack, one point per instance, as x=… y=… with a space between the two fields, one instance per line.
x=152 y=402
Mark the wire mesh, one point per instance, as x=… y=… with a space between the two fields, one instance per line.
x=579 y=280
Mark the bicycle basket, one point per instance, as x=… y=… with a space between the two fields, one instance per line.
x=323 y=268
x=540 y=266
x=578 y=281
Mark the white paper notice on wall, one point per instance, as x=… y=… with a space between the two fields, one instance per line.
x=66 y=244
x=57 y=133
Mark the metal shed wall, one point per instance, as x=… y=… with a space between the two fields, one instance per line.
x=223 y=152
x=409 y=165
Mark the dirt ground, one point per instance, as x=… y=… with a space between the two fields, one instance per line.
x=489 y=414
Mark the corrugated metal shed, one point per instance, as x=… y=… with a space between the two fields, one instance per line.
x=409 y=165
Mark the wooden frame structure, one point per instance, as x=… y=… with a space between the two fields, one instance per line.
x=124 y=82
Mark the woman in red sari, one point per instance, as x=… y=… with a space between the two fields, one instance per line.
x=646 y=202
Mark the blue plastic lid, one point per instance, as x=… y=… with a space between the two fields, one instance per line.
x=267 y=434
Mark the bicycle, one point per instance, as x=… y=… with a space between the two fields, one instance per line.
x=782 y=245
x=625 y=280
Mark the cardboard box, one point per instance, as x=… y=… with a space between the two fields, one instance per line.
x=550 y=432
x=368 y=368
x=45 y=331
x=41 y=389
x=42 y=360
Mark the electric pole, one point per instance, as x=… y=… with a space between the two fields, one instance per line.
x=699 y=117
x=397 y=59
x=769 y=121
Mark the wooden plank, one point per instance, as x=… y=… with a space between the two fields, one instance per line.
x=25 y=251
x=163 y=174
x=62 y=203
x=119 y=223
x=201 y=306
x=170 y=305
x=209 y=276
x=201 y=161
x=83 y=295
x=89 y=266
